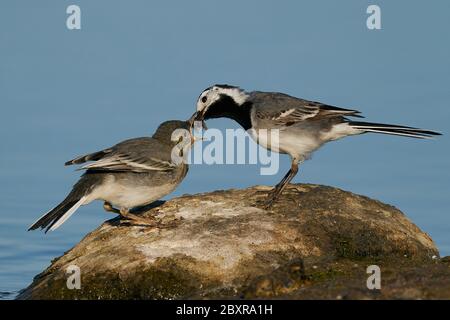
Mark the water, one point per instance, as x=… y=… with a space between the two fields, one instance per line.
x=64 y=93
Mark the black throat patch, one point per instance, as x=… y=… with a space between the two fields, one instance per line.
x=226 y=107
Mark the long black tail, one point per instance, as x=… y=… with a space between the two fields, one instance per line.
x=58 y=215
x=393 y=129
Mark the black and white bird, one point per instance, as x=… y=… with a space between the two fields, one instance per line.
x=303 y=126
x=131 y=174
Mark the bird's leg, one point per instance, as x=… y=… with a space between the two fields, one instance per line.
x=276 y=192
x=109 y=208
x=130 y=216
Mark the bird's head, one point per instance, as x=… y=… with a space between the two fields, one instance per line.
x=218 y=101
x=172 y=131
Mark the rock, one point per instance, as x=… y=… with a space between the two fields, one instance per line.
x=316 y=242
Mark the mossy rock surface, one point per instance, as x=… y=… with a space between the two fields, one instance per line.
x=316 y=242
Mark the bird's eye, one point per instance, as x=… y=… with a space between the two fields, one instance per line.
x=204 y=99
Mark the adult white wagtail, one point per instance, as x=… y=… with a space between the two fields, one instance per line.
x=303 y=125
x=131 y=174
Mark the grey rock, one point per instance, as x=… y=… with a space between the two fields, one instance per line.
x=316 y=242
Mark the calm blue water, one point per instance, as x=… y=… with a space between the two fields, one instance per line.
x=134 y=65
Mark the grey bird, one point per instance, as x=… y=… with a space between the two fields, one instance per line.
x=131 y=174
x=303 y=126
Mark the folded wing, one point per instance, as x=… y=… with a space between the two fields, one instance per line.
x=134 y=155
x=285 y=110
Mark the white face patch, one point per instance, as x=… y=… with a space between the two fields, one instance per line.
x=211 y=95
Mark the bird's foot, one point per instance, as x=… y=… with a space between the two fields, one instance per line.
x=136 y=220
x=270 y=201
x=270 y=198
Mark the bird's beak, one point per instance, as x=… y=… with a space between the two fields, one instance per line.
x=198 y=116
x=192 y=119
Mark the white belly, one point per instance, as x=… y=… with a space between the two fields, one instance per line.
x=128 y=196
x=298 y=146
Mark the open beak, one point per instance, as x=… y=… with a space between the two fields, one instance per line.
x=198 y=116
x=192 y=119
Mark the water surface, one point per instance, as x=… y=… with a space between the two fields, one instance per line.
x=133 y=65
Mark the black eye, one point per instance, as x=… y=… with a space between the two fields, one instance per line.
x=204 y=99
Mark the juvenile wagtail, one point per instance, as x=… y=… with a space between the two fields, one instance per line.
x=131 y=174
x=303 y=125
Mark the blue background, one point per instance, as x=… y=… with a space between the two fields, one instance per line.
x=135 y=64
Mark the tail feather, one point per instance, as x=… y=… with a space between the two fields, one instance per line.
x=58 y=215
x=393 y=130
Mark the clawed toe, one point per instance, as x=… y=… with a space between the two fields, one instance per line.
x=130 y=218
x=138 y=222
x=268 y=201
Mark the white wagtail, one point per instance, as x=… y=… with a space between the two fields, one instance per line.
x=131 y=174
x=303 y=125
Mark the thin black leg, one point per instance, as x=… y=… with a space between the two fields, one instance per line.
x=109 y=208
x=276 y=192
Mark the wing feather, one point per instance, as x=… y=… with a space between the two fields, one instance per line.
x=134 y=155
x=284 y=110
x=123 y=162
